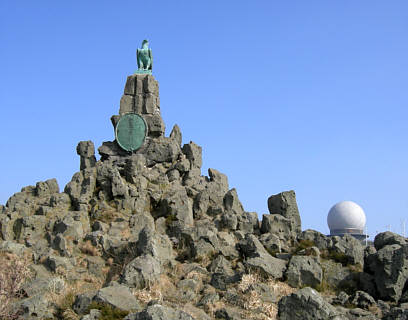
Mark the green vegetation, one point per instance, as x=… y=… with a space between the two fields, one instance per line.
x=170 y=219
x=272 y=252
x=349 y=286
x=323 y=287
x=336 y=256
x=339 y=257
x=302 y=245
x=108 y=312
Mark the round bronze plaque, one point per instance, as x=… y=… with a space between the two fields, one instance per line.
x=131 y=131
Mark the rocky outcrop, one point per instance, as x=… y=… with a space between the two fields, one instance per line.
x=159 y=312
x=145 y=235
x=118 y=296
x=306 y=304
x=348 y=249
x=389 y=265
x=284 y=219
x=257 y=258
x=304 y=271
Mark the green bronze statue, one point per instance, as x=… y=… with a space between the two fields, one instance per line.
x=144 y=58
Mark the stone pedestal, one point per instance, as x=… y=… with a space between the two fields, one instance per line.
x=141 y=96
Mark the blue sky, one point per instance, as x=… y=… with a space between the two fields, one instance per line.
x=303 y=95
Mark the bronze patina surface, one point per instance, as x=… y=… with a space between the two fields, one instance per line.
x=144 y=58
x=131 y=131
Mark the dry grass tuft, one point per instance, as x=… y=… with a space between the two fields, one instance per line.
x=258 y=309
x=63 y=294
x=148 y=294
x=281 y=289
x=162 y=289
x=211 y=308
x=13 y=273
x=89 y=249
x=70 y=314
x=248 y=280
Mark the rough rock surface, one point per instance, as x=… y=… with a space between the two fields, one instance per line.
x=306 y=304
x=118 y=296
x=146 y=235
x=159 y=312
x=304 y=271
x=389 y=266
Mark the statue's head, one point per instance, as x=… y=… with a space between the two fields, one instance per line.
x=145 y=43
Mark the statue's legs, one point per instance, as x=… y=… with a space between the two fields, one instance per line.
x=145 y=63
x=148 y=64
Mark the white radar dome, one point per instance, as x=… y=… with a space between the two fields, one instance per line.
x=346 y=217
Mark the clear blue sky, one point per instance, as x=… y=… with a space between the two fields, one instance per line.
x=303 y=95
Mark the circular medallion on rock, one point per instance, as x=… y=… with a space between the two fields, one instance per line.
x=131 y=131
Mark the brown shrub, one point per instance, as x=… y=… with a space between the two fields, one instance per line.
x=14 y=272
x=89 y=249
x=255 y=306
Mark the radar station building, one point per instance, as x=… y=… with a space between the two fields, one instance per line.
x=347 y=217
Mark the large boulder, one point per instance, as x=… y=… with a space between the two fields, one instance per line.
x=159 y=312
x=162 y=150
x=257 y=258
x=193 y=153
x=335 y=275
x=397 y=313
x=156 y=245
x=304 y=271
x=176 y=135
x=81 y=188
x=141 y=272
x=388 y=238
x=86 y=150
x=389 y=266
x=35 y=308
x=210 y=199
x=280 y=226
x=315 y=238
x=284 y=204
x=118 y=296
x=176 y=205
x=362 y=300
x=232 y=204
x=306 y=304
x=348 y=249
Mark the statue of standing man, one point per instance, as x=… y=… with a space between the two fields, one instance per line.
x=144 y=58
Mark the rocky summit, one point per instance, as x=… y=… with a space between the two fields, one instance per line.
x=144 y=235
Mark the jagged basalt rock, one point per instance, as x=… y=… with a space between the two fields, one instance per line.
x=318 y=239
x=86 y=150
x=304 y=271
x=285 y=204
x=118 y=296
x=306 y=304
x=141 y=271
x=257 y=258
x=362 y=300
x=81 y=188
x=145 y=232
x=159 y=312
x=388 y=238
x=348 y=249
x=389 y=266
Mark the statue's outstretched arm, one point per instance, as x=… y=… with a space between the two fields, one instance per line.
x=151 y=59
